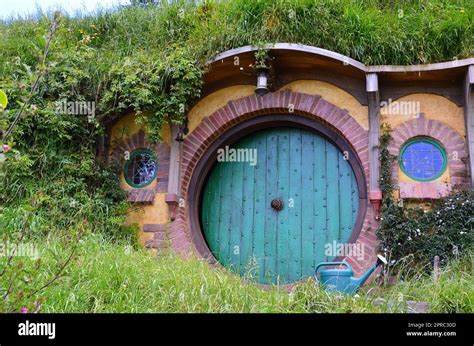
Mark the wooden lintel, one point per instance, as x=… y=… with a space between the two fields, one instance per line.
x=373 y=100
x=173 y=180
x=469 y=120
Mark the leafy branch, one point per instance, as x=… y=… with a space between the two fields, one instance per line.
x=42 y=71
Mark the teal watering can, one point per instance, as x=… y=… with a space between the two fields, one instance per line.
x=343 y=280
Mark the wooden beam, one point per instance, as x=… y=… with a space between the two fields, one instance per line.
x=373 y=98
x=173 y=179
x=469 y=120
x=172 y=197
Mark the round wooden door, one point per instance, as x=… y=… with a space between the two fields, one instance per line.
x=274 y=216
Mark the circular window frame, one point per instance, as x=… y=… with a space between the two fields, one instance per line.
x=127 y=163
x=431 y=141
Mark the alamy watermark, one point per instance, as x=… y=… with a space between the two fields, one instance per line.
x=355 y=250
x=391 y=107
x=76 y=108
x=9 y=249
x=227 y=154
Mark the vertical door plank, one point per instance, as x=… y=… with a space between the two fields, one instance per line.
x=295 y=212
x=236 y=228
x=320 y=208
x=332 y=177
x=307 y=194
x=345 y=200
x=259 y=214
x=354 y=197
x=271 y=182
x=225 y=214
x=283 y=221
x=248 y=200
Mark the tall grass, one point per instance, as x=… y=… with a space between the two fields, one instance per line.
x=109 y=277
x=372 y=31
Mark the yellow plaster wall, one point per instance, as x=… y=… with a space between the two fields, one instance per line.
x=215 y=101
x=335 y=95
x=433 y=107
x=155 y=213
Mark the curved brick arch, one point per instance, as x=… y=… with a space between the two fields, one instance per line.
x=285 y=101
x=237 y=111
x=450 y=139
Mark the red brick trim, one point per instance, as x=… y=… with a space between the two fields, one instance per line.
x=160 y=240
x=139 y=141
x=455 y=148
x=145 y=196
x=154 y=227
x=287 y=102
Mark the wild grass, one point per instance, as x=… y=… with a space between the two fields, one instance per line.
x=372 y=31
x=108 y=277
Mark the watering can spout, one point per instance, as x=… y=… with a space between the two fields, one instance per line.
x=358 y=282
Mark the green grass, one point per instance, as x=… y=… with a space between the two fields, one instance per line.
x=108 y=277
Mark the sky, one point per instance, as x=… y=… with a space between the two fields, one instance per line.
x=10 y=8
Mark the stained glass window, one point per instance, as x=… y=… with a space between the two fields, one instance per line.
x=423 y=159
x=141 y=168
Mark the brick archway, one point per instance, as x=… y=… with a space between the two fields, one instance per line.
x=286 y=102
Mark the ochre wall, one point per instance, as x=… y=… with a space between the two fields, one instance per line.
x=215 y=101
x=335 y=95
x=433 y=107
x=157 y=213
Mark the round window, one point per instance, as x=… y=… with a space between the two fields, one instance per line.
x=141 y=169
x=423 y=159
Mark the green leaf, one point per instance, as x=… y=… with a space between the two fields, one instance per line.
x=3 y=99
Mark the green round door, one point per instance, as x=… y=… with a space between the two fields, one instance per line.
x=277 y=203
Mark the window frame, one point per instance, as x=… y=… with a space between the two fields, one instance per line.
x=127 y=163
x=436 y=144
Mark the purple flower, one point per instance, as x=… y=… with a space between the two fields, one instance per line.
x=6 y=147
x=24 y=310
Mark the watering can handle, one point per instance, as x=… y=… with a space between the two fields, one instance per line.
x=323 y=264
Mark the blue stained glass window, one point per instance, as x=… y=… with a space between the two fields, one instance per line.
x=423 y=159
x=141 y=169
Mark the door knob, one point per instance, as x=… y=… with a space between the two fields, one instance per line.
x=277 y=204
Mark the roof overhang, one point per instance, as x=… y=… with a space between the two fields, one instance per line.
x=232 y=67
